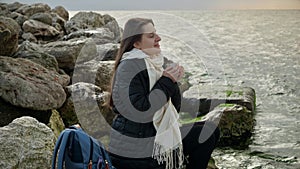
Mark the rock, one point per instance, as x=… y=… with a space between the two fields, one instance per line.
x=59 y=28
x=9 y=33
x=95 y=72
x=9 y=112
x=215 y=95
x=13 y=15
x=56 y=123
x=30 y=85
x=58 y=22
x=32 y=9
x=62 y=12
x=236 y=124
x=3 y=9
x=107 y=51
x=39 y=20
x=103 y=29
x=231 y=108
x=40 y=30
x=104 y=75
x=113 y=26
x=46 y=18
x=86 y=102
x=14 y=6
x=67 y=113
x=19 y=18
x=84 y=20
x=69 y=53
x=29 y=37
x=25 y=143
x=34 y=52
x=99 y=35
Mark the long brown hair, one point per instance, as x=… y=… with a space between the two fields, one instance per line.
x=133 y=31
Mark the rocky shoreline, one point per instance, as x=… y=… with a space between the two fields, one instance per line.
x=55 y=72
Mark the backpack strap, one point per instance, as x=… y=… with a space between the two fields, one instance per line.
x=61 y=146
x=56 y=148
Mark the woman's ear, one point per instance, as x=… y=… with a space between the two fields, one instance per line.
x=137 y=45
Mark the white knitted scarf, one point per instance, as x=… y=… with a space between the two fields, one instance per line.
x=167 y=144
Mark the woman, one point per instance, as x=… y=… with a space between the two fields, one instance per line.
x=146 y=133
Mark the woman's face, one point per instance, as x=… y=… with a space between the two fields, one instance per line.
x=150 y=40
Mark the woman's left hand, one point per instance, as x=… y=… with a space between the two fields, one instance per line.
x=174 y=72
x=181 y=72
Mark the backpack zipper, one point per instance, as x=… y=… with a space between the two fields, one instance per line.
x=90 y=164
x=106 y=164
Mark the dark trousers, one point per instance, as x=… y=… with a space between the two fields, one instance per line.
x=197 y=149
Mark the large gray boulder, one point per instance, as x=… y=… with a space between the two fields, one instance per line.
x=4 y=9
x=34 y=52
x=25 y=144
x=32 y=9
x=42 y=17
x=99 y=70
x=107 y=51
x=58 y=22
x=84 y=20
x=103 y=29
x=62 y=12
x=95 y=72
x=69 y=53
x=19 y=18
x=113 y=26
x=40 y=29
x=14 y=6
x=9 y=34
x=27 y=84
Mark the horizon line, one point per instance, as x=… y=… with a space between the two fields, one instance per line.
x=184 y=9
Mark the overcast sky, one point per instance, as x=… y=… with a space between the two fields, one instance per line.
x=166 y=4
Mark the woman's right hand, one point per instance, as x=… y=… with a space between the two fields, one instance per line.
x=174 y=72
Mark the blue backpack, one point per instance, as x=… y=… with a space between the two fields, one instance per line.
x=77 y=150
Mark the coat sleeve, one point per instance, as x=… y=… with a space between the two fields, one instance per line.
x=176 y=98
x=162 y=91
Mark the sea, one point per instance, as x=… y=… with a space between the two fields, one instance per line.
x=252 y=48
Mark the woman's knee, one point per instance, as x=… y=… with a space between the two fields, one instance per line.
x=209 y=132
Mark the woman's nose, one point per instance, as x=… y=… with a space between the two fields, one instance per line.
x=157 y=38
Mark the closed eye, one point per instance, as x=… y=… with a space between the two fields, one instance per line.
x=151 y=35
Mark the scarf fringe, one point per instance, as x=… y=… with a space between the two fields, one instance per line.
x=173 y=157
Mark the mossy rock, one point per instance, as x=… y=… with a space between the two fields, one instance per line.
x=236 y=124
